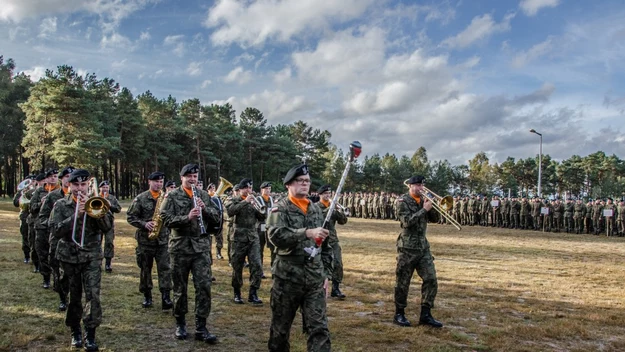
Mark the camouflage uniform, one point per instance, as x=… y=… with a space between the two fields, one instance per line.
x=298 y=279
x=42 y=237
x=262 y=230
x=245 y=241
x=515 y=207
x=109 y=237
x=189 y=250
x=579 y=213
x=413 y=252
x=609 y=220
x=81 y=266
x=558 y=210
x=32 y=234
x=23 y=226
x=569 y=209
x=596 y=217
x=140 y=212
x=333 y=241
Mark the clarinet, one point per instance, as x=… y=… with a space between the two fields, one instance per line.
x=200 y=220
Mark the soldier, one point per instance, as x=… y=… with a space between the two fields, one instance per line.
x=338 y=216
x=536 y=206
x=80 y=253
x=597 y=214
x=235 y=193
x=170 y=186
x=569 y=209
x=515 y=207
x=579 y=213
x=141 y=215
x=505 y=212
x=303 y=265
x=524 y=213
x=265 y=201
x=588 y=217
x=245 y=212
x=23 y=224
x=465 y=211
x=218 y=231
x=548 y=218
x=413 y=253
x=620 y=220
x=30 y=220
x=109 y=237
x=609 y=219
x=558 y=211
x=485 y=210
x=42 y=239
x=187 y=213
x=60 y=283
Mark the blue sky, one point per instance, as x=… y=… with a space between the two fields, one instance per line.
x=457 y=77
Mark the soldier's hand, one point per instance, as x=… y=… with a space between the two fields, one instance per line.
x=200 y=203
x=325 y=287
x=427 y=205
x=150 y=225
x=195 y=213
x=81 y=199
x=318 y=232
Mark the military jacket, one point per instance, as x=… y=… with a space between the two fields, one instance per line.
x=515 y=206
x=505 y=206
x=286 y=229
x=115 y=206
x=558 y=209
x=16 y=203
x=185 y=236
x=268 y=205
x=140 y=212
x=485 y=208
x=536 y=208
x=244 y=217
x=569 y=208
x=337 y=216
x=29 y=195
x=589 y=211
x=414 y=222
x=579 y=211
x=597 y=211
x=620 y=209
x=525 y=207
x=35 y=205
x=48 y=204
x=61 y=224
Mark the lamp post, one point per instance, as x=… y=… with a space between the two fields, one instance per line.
x=540 y=161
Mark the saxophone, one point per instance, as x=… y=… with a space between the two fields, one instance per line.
x=158 y=221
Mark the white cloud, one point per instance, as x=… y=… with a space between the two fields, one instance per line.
x=254 y=23
x=206 y=83
x=536 y=51
x=239 y=75
x=481 y=28
x=47 y=27
x=145 y=35
x=115 y=40
x=283 y=75
x=343 y=58
x=194 y=68
x=243 y=57
x=531 y=7
x=36 y=73
x=276 y=104
x=118 y=65
x=177 y=43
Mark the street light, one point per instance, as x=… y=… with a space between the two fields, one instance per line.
x=540 y=161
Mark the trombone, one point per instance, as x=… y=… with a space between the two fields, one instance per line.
x=95 y=207
x=441 y=204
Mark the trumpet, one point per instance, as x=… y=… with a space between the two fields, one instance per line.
x=95 y=207
x=25 y=186
x=257 y=205
x=199 y=219
x=441 y=204
x=343 y=209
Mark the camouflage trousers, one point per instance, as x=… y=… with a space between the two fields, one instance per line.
x=272 y=249
x=310 y=298
x=262 y=241
x=579 y=224
x=241 y=250
x=407 y=262
x=109 y=246
x=199 y=265
x=219 y=240
x=146 y=256
x=60 y=284
x=83 y=277
x=24 y=233
x=32 y=243
x=42 y=247
x=337 y=262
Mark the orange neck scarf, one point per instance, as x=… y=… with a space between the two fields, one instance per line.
x=188 y=191
x=211 y=193
x=326 y=203
x=266 y=198
x=243 y=197
x=65 y=190
x=416 y=198
x=302 y=203
x=155 y=194
x=50 y=187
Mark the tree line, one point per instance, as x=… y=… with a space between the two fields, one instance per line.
x=69 y=119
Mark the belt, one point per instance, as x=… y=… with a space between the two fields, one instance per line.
x=297 y=259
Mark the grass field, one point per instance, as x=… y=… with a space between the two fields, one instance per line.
x=499 y=290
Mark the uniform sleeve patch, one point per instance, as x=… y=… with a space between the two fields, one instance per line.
x=400 y=200
x=274 y=209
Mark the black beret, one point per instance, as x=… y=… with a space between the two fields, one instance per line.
x=324 y=188
x=245 y=183
x=31 y=176
x=79 y=175
x=170 y=183
x=189 y=169
x=415 y=179
x=610 y=198
x=40 y=177
x=265 y=185
x=156 y=175
x=296 y=171
x=235 y=188
x=51 y=172
x=103 y=183
x=66 y=171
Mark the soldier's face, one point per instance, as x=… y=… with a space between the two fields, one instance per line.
x=326 y=196
x=79 y=187
x=245 y=191
x=200 y=185
x=155 y=185
x=170 y=188
x=53 y=179
x=416 y=189
x=105 y=189
x=65 y=181
x=188 y=180
x=299 y=187
x=265 y=191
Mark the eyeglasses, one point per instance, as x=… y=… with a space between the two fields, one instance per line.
x=302 y=181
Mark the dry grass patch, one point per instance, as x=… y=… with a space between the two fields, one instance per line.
x=499 y=290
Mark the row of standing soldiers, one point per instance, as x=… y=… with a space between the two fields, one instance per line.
x=376 y=205
x=571 y=216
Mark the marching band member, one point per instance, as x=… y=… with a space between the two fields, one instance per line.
x=218 y=232
x=109 y=237
x=339 y=217
x=42 y=237
x=265 y=201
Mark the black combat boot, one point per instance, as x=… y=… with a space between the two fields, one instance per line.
x=400 y=317
x=46 y=282
x=237 y=296
x=76 y=337
x=219 y=256
x=201 y=332
x=26 y=259
x=166 y=303
x=107 y=267
x=253 y=297
x=181 y=328
x=147 y=299
x=90 y=344
x=63 y=303
x=427 y=319
x=336 y=292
